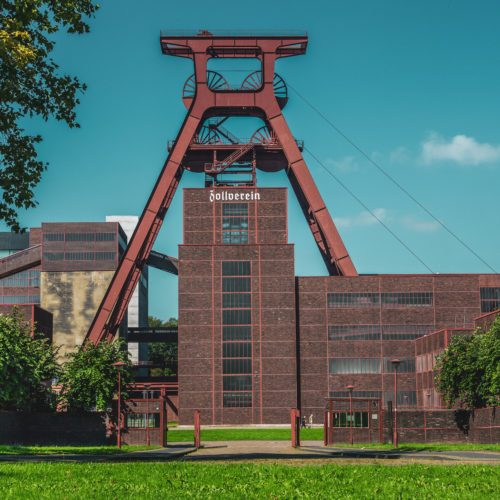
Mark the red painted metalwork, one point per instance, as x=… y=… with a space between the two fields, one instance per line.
x=295 y=424
x=207 y=95
x=197 y=429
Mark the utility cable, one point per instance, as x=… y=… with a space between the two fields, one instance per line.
x=329 y=172
x=388 y=176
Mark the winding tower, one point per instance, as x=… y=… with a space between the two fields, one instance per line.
x=204 y=145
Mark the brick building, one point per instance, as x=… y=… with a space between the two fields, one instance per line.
x=254 y=340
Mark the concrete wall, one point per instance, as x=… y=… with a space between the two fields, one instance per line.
x=73 y=298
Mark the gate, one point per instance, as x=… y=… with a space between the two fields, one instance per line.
x=353 y=420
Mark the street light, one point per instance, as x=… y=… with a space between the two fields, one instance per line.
x=118 y=366
x=395 y=364
x=350 y=388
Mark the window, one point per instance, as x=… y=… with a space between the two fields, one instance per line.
x=405 y=332
x=22 y=279
x=343 y=419
x=105 y=255
x=79 y=255
x=407 y=365
x=19 y=299
x=237 y=383
x=237 y=317
x=405 y=299
x=237 y=365
x=235 y=332
x=237 y=399
x=353 y=299
x=237 y=350
x=105 y=236
x=138 y=420
x=234 y=223
x=80 y=236
x=53 y=256
x=236 y=347
x=235 y=300
x=490 y=299
x=356 y=394
x=354 y=365
x=354 y=332
x=53 y=236
x=236 y=268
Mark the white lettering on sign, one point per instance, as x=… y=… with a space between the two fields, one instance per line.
x=232 y=196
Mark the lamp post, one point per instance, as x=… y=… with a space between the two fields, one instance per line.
x=350 y=388
x=395 y=364
x=118 y=366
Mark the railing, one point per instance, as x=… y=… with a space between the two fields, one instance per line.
x=233 y=33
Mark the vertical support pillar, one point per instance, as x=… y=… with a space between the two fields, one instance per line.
x=325 y=429
x=295 y=423
x=197 y=429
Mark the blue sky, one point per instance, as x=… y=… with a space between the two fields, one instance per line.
x=414 y=84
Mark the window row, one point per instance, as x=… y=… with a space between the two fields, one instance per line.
x=354 y=366
x=22 y=279
x=236 y=300
x=378 y=332
x=89 y=236
x=403 y=299
x=19 y=299
x=404 y=398
x=85 y=256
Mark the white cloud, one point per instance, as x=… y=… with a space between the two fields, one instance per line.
x=399 y=155
x=422 y=226
x=362 y=219
x=366 y=219
x=460 y=149
x=345 y=164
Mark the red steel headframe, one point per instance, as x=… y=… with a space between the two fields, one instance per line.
x=201 y=48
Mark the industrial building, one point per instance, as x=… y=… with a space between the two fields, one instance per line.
x=254 y=339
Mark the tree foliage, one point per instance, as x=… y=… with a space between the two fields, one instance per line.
x=30 y=85
x=27 y=366
x=162 y=353
x=467 y=373
x=89 y=379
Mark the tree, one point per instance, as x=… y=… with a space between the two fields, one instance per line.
x=467 y=373
x=27 y=366
x=89 y=379
x=162 y=354
x=30 y=85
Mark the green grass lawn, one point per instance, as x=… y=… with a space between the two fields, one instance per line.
x=186 y=436
x=185 y=480
x=67 y=450
x=182 y=436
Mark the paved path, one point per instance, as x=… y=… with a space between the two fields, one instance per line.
x=156 y=455
x=279 y=450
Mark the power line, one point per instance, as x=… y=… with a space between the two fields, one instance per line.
x=394 y=181
x=329 y=172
